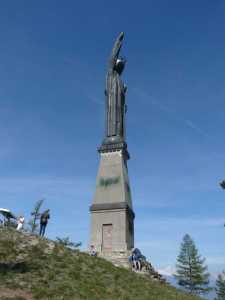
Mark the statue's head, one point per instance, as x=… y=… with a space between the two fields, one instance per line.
x=120 y=65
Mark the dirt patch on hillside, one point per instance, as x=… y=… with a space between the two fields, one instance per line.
x=12 y=294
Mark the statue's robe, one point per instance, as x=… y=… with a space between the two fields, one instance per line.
x=115 y=104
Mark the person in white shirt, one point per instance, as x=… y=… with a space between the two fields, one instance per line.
x=20 y=223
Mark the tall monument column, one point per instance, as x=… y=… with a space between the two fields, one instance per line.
x=112 y=216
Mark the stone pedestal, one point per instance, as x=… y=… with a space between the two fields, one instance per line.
x=119 y=259
x=112 y=216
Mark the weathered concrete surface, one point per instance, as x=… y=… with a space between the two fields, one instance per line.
x=119 y=259
x=112 y=207
x=112 y=184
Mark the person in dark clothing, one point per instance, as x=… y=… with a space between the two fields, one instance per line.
x=135 y=259
x=44 y=221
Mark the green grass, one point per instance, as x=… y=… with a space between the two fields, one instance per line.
x=27 y=263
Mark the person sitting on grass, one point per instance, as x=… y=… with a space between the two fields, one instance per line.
x=93 y=251
x=44 y=221
x=135 y=259
x=137 y=263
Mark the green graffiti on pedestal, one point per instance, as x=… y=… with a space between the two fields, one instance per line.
x=105 y=182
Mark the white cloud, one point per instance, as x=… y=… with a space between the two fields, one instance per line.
x=167 y=271
x=170 y=270
x=193 y=126
x=169 y=111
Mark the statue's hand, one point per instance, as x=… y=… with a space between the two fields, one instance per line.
x=121 y=36
x=116 y=50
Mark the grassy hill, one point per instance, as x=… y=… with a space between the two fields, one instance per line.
x=35 y=268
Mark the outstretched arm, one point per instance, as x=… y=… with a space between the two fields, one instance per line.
x=116 y=50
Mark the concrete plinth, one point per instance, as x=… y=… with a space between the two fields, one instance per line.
x=112 y=227
x=119 y=259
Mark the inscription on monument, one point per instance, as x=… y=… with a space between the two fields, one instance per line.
x=105 y=182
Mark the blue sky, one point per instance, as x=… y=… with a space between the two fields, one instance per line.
x=53 y=64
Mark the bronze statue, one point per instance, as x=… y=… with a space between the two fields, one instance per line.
x=115 y=96
x=222 y=184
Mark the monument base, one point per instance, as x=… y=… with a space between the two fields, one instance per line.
x=118 y=258
x=112 y=216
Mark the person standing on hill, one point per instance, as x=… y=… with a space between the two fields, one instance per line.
x=45 y=216
x=20 y=223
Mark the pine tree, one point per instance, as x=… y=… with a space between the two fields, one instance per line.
x=191 y=273
x=35 y=215
x=220 y=287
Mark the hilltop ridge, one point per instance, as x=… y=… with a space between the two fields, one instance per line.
x=35 y=268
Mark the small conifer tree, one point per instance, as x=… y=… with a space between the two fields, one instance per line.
x=191 y=273
x=220 y=287
x=35 y=214
x=67 y=242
